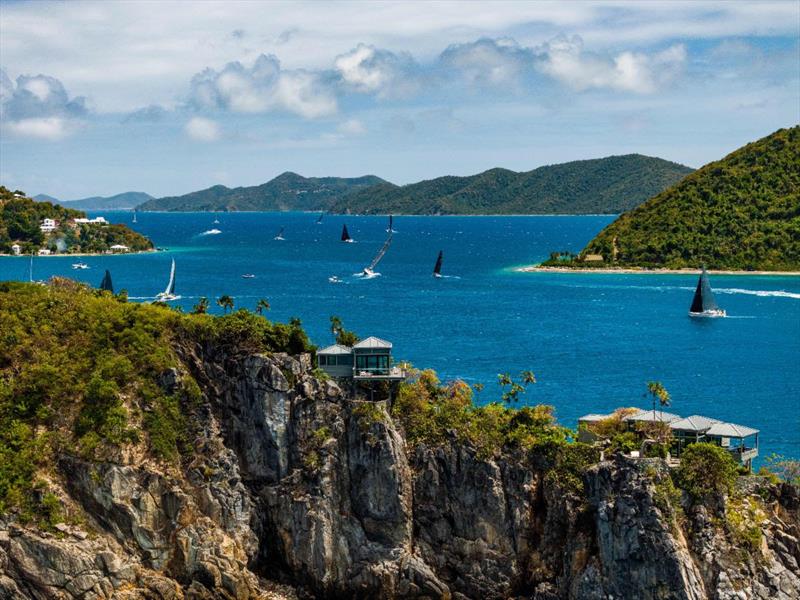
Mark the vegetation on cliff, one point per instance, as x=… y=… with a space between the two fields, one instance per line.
x=741 y=212
x=21 y=219
x=605 y=185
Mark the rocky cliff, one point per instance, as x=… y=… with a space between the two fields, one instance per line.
x=293 y=489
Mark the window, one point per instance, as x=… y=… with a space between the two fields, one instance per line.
x=323 y=360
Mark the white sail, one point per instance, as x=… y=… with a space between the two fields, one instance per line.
x=170 y=291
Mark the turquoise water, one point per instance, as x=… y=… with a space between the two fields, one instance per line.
x=593 y=340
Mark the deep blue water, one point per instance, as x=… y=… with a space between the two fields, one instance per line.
x=593 y=340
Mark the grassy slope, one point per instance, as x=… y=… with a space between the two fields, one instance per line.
x=606 y=185
x=741 y=212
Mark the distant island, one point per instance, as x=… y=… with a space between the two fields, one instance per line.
x=741 y=213
x=606 y=185
x=45 y=228
x=123 y=201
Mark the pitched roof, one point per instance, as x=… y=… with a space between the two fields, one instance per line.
x=592 y=418
x=730 y=430
x=373 y=342
x=697 y=423
x=335 y=349
x=653 y=415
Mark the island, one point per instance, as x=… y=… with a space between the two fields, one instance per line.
x=607 y=185
x=47 y=229
x=739 y=214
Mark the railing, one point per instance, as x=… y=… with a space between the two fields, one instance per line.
x=391 y=372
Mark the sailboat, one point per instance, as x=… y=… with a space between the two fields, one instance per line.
x=134 y=216
x=106 y=284
x=345 y=235
x=319 y=220
x=390 y=229
x=437 y=269
x=279 y=237
x=703 y=303
x=169 y=293
x=216 y=222
x=369 y=271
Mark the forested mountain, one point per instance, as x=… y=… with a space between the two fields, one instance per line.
x=741 y=212
x=606 y=185
x=288 y=191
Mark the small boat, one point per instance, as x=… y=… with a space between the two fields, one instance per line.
x=212 y=232
x=80 y=265
x=134 y=216
x=369 y=271
x=169 y=293
x=106 y=284
x=346 y=235
x=334 y=279
x=437 y=269
x=703 y=303
x=319 y=220
x=216 y=222
x=279 y=237
x=248 y=276
x=390 y=229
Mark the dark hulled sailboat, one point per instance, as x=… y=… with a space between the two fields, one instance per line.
x=319 y=220
x=345 y=235
x=703 y=303
x=106 y=284
x=437 y=269
x=279 y=237
x=390 y=229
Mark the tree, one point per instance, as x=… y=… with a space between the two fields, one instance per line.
x=342 y=335
x=658 y=392
x=514 y=388
x=226 y=302
x=201 y=307
x=706 y=469
x=262 y=305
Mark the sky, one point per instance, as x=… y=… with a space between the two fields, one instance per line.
x=98 y=98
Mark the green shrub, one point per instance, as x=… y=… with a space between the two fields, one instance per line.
x=705 y=470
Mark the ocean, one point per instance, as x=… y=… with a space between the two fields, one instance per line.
x=593 y=340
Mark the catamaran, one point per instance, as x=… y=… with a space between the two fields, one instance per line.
x=370 y=270
x=169 y=293
x=390 y=229
x=345 y=235
x=437 y=269
x=703 y=303
x=279 y=237
x=106 y=284
x=80 y=265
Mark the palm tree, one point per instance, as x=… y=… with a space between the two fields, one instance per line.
x=336 y=326
x=528 y=377
x=201 y=307
x=262 y=305
x=658 y=392
x=226 y=302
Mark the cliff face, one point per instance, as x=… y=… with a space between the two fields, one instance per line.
x=290 y=481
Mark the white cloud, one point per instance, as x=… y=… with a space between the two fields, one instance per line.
x=261 y=88
x=202 y=129
x=372 y=70
x=486 y=61
x=46 y=128
x=564 y=59
x=39 y=107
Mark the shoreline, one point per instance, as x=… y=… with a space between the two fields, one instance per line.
x=659 y=271
x=78 y=254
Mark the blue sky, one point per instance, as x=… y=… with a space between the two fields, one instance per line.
x=99 y=98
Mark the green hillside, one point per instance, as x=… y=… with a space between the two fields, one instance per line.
x=742 y=212
x=288 y=191
x=21 y=217
x=606 y=185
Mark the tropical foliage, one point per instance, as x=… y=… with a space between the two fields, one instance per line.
x=741 y=212
x=20 y=218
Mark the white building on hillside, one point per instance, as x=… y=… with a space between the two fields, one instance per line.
x=48 y=225
x=95 y=221
x=16 y=249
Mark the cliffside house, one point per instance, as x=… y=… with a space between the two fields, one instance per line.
x=740 y=441
x=368 y=360
x=48 y=225
x=16 y=249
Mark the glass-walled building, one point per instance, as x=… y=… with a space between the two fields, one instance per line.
x=368 y=359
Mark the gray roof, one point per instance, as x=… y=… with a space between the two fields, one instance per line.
x=696 y=423
x=653 y=415
x=373 y=342
x=731 y=430
x=336 y=349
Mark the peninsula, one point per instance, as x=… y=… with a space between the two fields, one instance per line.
x=44 y=228
x=741 y=213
